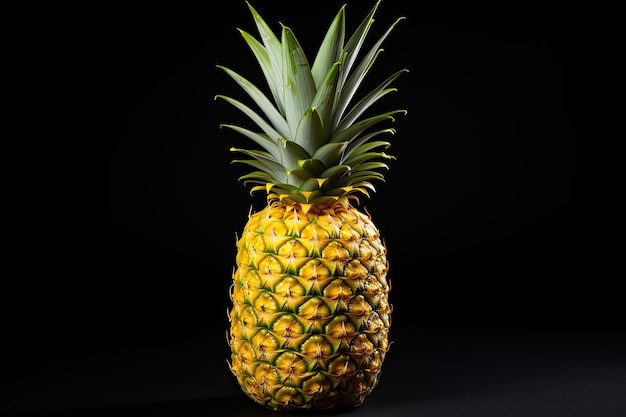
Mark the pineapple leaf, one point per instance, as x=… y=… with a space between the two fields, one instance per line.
x=360 y=159
x=368 y=100
x=361 y=175
x=274 y=116
x=299 y=87
x=257 y=177
x=272 y=171
x=355 y=178
x=362 y=185
x=311 y=184
x=350 y=189
x=291 y=153
x=330 y=154
x=355 y=145
x=273 y=63
x=368 y=167
x=356 y=129
x=357 y=76
x=263 y=140
x=323 y=104
x=315 y=126
x=287 y=189
x=272 y=134
x=314 y=138
x=331 y=48
x=310 y=130
x=336 y=172
x=258 y=155
x=314 y=166
x=354 y=44
x=299 y=177
x=368 y=146
x=263 y=162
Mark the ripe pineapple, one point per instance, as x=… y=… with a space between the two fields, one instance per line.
x=310 y=317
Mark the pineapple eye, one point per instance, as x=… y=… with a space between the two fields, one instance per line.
x=359 y=306
x=341 y=327
x=355 y=270
x=317 y=384
x=269 y=266
x=314 y=275
x=366 y=251
x=341 y=365
x=289 y=397
x=289 y=287
x=314 y=270
x=317 y=348
x=248 y=318
x=314 y=308
x=329 y=224
x=348 y=232
x=335 y=251
x=265 y=303
x=313 y=237
x=361 y=345
x=293 y=249
x=290 y=363
x=267 y=376
x=246 y=354
x=338 y=290
x=287 y=326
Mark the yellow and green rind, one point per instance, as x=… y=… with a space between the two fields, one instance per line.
x=310 y=318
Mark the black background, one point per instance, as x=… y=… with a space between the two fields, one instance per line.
x=500 y=213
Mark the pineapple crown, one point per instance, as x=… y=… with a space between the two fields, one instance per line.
x=316 y=144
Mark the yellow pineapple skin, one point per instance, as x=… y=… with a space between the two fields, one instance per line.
x=310 y=316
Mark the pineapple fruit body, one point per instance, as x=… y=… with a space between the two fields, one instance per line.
x=310 y=317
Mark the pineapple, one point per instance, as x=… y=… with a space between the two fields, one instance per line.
x=310 y=316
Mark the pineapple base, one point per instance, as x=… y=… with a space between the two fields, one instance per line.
x=310 y=317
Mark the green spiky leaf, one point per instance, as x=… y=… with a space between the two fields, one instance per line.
x=316 y=144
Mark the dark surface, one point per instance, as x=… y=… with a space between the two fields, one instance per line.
x=501 y=215
x=440 y=371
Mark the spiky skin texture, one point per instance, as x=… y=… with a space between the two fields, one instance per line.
x=310 y=318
